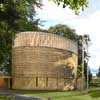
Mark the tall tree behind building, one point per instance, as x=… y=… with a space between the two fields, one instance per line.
x=63 y=30
x=80 y=50
x=15 y=15
x=98 y=73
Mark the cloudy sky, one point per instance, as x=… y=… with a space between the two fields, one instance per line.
x=88 y=22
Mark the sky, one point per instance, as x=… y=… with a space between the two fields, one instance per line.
x=87 y=22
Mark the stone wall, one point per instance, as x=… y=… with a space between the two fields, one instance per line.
x=44 y=40
x=42 y=68
x=43 y=61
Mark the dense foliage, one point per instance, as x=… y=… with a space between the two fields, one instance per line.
x=98 y=73
x=63 y=30
x=80 y=50
x=75 y=5
x=15 y=15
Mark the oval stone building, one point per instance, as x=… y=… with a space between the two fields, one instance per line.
x=43 y=61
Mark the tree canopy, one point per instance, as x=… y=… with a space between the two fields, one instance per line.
x=98 y=73
x=15 y=15
x=75 y=5
x=63 y=30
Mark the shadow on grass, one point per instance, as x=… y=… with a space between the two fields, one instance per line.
x=95 y=93
x=59 y=94
x=65 y=96
x=42 y=91
x=32 y=91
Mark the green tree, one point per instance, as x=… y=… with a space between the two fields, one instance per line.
x=63 y=30
x=75 y=5
x=80 y=48
x=98 y=73
x=15 y=15
x=79 y=71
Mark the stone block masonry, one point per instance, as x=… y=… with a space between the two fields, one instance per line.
x=43 y=65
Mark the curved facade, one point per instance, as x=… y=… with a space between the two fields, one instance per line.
x=43 y=61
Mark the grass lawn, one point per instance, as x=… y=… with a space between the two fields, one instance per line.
x=94 y=94
x=2 y=97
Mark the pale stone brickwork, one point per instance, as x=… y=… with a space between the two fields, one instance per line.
x=45 y=40
x=44 y=66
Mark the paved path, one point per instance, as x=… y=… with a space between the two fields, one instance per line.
x=18 y=96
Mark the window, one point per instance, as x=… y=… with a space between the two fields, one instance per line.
x=46 y=81
x=36 y=81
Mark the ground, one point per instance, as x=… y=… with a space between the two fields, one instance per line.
x=8 y=95
x=94 y=94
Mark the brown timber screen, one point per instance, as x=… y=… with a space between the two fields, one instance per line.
x=44 y=61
